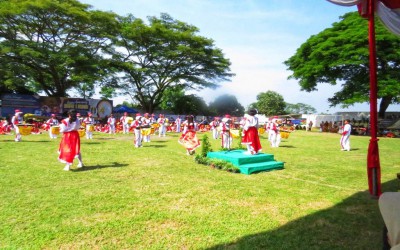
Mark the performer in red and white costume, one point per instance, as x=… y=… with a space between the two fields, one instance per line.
x=137 y=127
x=345 y=138
x=189 y=139
x=50 y=123
x=111 y=124
x=146 y=123
x=89 y=122
x=162 y=122
x=124 y=122
x=274 y=136
x=16 y=120
x=250 y=130
x=178 y=123
x=214 y=125
x=226 y=137
x=70 y=145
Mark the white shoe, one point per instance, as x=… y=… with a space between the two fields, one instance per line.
x=66 y=168
x=80 y=165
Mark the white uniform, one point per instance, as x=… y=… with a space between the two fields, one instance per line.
x=89 y=121
x=162 y=130
x=125 y=124
x=214 y=128
x=15 y=120
x=52 y=122
x=225 y=134
x=178 y=123
x=273 y=134
x=111 y=125
x=345 y=139
x=136 y=124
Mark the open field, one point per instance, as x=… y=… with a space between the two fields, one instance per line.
x=157 y=197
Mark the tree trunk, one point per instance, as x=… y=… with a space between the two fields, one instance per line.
x=385 y=102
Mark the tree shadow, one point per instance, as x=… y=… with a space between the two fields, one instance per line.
x=286 y=146
x=154 y=146
x=94 y=167
x=355 y=223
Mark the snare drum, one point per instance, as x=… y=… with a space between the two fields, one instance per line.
x=90 y=128
x=81 y=132
x=24 y=130
x=55 y=130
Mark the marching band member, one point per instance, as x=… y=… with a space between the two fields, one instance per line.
x=137 y=125
x=50 y=123
x=178 y=122
x=214 y=127
x=162 y=121
x=111 y=124
x=16 y=120
x=225 y=132
x=274 y=135
x=250 y=130
x=189 y=139
x=89 y=121
x=124 y=122
x=345 y=138
x=70 y=145
x=146 y=123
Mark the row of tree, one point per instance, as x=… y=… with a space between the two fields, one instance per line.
x=268 y=103
x=59 y=47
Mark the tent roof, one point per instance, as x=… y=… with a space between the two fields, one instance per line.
x=123 y=108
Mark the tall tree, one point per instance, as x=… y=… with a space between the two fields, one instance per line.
x=226 y=104
x=299 y=108
x=56 y=44
x=165 y=53
x=270 y=103
x=340 y=55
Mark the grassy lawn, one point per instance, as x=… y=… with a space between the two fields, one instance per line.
x=157 y=197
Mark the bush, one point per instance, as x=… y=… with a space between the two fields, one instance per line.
x=205 y=146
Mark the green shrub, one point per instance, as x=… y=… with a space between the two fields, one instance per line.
x=205 y=146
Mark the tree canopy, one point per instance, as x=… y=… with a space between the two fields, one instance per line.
x=299 y=108
x=226 y=104
x=270 y=103
x=56 y=45
x=162 y=54
x=340 y=55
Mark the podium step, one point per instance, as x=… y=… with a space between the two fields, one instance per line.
x=247 y=163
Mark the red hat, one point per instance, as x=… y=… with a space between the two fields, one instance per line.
x=138 y=114
x=125 y=113
x=228 y=116
x=53 y=115
x=89 y=114
x=78 y=114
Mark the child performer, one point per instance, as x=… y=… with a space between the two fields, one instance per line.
x=225 y=132
x=52 y=122
x=214 y=127
x=250 y=130
x=189 y=139
x=137 y=130
x=162 y=129
x=70 y=145
x=345 y=138
x=89 y=121
x=111 y=124
x=15 y=121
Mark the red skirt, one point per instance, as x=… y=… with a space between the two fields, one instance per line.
x=189 y=140
x=251 y=138
x=70 y=147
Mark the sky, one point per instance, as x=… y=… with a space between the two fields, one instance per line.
x=257 y=36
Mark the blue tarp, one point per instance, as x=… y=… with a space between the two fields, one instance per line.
x=122 y=109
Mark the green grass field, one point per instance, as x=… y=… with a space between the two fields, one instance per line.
x=157 y=197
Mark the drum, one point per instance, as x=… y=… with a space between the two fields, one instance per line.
x=235 y=133
x=284 y=134
x=25 y=130
x=261 y=131
x=146 y=131
x=81 y=132
x=55 y=130
x=91 y=128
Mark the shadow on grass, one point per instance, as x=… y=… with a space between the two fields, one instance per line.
x=286 y=146
x=89 y=168
x=355 y=223
x=154 y=146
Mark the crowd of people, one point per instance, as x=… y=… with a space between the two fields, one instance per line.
x=144 y=126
